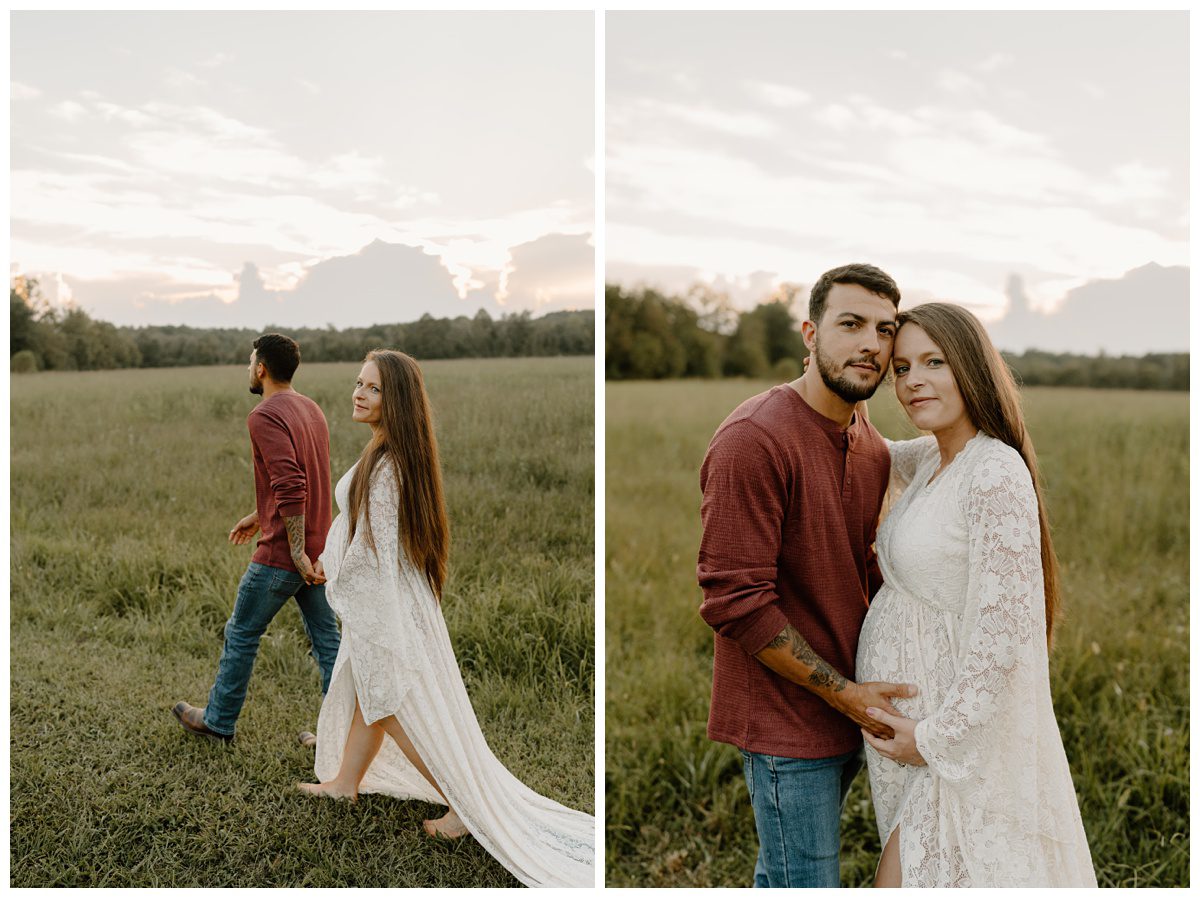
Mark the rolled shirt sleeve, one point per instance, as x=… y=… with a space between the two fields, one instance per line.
x=288 y=483
x=745 y=488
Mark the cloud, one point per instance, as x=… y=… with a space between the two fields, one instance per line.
x=837 y=116
x=551 y=273
x=959 y=83
x=68 y=110
x=217 y=60
x=995 y=62
x=1144 y=310
x=984 y=206
x=739 y=124
x=781 y=96
x=178 y=78
x=18 y=91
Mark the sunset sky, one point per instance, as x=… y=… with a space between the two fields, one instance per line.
x=1005 y=161
x=239 y=168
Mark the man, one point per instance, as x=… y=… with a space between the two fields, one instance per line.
x=793 y=482
x=290 y=442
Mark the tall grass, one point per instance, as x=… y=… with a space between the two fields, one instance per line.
x=124 y=487
x=1115 y=465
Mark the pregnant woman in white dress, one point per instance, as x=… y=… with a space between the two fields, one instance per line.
x=974 y=789
x=396 y=674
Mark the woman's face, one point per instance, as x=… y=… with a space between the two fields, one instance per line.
x=368 y=395
x=924 y=382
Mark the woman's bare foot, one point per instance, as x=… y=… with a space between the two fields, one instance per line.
x=448 y=826
x=331 y=789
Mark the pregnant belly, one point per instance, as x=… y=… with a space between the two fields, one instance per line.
x=904 y=640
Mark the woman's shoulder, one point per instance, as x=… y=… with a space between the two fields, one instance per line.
x=995 y=463
x=916 y=449
x=383 y=474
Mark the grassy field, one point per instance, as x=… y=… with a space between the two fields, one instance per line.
x=1115 y=466
x=124 y=487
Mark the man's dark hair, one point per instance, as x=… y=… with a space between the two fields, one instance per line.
x=866 y=276
x=279 y=354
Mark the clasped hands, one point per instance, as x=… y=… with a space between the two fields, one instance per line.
x=243 y=531
x=902 y=747
x=893 y=736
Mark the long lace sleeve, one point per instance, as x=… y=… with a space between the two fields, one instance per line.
x=375 y=591
x=987 y=726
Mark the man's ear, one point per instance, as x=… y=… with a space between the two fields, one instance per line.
x=809 y=331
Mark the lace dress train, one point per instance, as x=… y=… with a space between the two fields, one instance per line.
x=962 y=616
x=396 y=659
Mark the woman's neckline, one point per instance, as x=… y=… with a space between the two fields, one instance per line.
x=939 y=475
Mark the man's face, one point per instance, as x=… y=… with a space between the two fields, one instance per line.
x=852 y=344
x=256 y=386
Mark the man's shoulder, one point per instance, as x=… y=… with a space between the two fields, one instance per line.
x=752 y=417
x=286 y=409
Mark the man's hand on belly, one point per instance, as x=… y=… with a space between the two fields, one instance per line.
x=856 y=698
x=790 y=656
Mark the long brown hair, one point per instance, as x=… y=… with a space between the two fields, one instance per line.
x=405 y=441
x=993 y=404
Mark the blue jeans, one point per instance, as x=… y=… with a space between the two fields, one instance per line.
x=262 y=592
x=797 y=811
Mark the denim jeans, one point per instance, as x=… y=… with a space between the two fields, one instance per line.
x=261 y=593
x=797 y=811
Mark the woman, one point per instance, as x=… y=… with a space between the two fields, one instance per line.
x=395 y=674
x=974 y=788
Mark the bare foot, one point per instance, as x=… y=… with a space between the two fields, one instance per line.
x=327 y=790
x=448 y=826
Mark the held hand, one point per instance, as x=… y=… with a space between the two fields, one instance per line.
x=902 y=747
x=308 y=572
x=243 y=531
x=320 y=569
x=855 y=700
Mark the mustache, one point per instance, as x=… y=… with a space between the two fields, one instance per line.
x=864 y=361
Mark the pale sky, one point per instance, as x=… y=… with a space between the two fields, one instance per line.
x=974 y=156
x=303 y=168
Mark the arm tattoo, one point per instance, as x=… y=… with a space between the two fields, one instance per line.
x=295 y=532
x=823 y=676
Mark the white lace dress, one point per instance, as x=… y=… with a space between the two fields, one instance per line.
x=396 y=657
x=962 y=616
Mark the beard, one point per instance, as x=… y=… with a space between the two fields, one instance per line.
x=256 y=387
x=841 y=386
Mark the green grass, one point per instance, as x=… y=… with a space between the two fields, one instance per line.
x=124 y=487
x=1115 y=466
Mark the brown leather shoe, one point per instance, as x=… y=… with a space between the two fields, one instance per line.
x=192 y=721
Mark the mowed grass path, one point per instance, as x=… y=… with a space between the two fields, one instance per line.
x=1115 y=465
x=124 y=488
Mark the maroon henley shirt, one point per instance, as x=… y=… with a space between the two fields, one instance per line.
x=290 y=440
x=790 y=506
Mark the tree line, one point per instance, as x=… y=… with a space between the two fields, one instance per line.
x=45 y=338
x=652 y=335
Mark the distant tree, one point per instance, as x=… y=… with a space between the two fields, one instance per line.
x=23 y=362
x=747 y=355
x=22 y=324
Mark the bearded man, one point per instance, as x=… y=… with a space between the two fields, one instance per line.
x=793 y=482
x=289 y=439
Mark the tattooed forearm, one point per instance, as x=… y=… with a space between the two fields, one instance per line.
x=784 y=638
x=820 y=674
x=295 y=532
